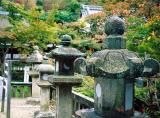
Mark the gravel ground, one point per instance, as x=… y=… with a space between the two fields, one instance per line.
x=19 y=109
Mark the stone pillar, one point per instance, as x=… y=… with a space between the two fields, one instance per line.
x=35 y=87
x=64 y=94
x=45 y=95
x=64 y=98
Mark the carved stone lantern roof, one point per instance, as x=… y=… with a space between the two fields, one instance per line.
x=45 y=68
x=66 y=51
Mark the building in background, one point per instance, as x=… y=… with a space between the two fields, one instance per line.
x=90 y=9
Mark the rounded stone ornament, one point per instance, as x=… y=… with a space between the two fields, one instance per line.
x=151 y=67
x=66 y=40
x=114 y=26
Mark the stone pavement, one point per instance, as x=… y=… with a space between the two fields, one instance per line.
x=19 y=109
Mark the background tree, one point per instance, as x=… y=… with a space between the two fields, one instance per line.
x=145 y=37
x=6 y=40
x=28 y=29
x=28 y=4
x=47 y=4
x=141 y=17
x=70 y=13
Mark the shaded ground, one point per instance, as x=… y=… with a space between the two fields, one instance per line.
x=19 y=109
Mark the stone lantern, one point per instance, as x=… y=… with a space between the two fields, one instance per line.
x=114 y=69
x=64 y=77
x=35 y=58
x=44 y=70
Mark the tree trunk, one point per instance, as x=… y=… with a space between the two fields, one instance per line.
x=48 y=4
x=148 y=8
x=3 y=52
x=29 y=4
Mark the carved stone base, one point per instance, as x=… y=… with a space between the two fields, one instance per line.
x=33 y=100
x=90 y=113
x=47 y=114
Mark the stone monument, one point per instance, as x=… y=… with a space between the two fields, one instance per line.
x=64 y=77
x=35 y=59
x=115 y=69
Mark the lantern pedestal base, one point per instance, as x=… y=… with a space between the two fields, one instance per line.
x=45 y=95
x=90 y=113
x=48 y=114
x=33 y=100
